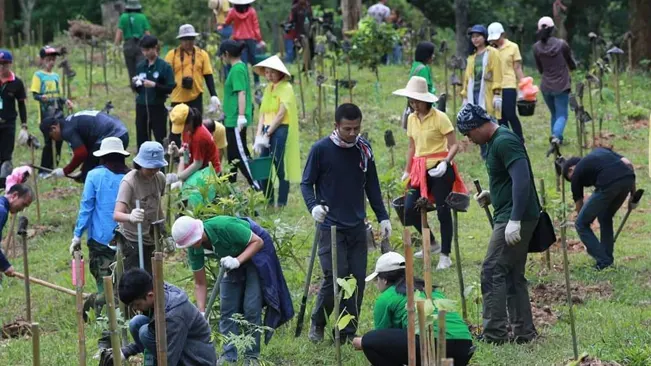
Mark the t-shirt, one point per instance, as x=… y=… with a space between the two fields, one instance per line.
x=237 y=81
x=509 y=54
x=600 y=168
x=195 y=65
x=390 y=312
x=273 y=97
x=89 y=128
x=11 y=91
x=133 y=25
x=429 y=134
x=228 y=235
x=503 y=149
x=159 y=72
x=47 y=84
x=422 y=70
x=478 y=71
x=219 y=136
x=379 y=12
x=149 y=191
x=203 y=148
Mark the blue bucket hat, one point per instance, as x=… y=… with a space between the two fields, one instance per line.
x=472 y=116
x=5 y=56
x=478 y=28
x=151 y=155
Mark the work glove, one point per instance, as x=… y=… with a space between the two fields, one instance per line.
x=176 y=185
x=23 y=136
x=512 y=232
x=229 y=263
x=172 y=149
x=75 y=245
x=171 y=178
x=58 y=172
x=319 y=213
x=483 y=198
x=137 y=215
x=405 y=175
x=241 y=122
x=497 y=103
x=261 y=141
x=215 y=104
x=439 y=170
x=137 y=81
x=385 y=228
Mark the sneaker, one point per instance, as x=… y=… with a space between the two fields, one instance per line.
x=444 y=262
x=316 y=333
x=434 y=249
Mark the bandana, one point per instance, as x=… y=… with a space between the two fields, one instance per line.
x=472 y=116
x=362 y=145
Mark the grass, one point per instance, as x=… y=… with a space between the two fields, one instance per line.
x=615 y=327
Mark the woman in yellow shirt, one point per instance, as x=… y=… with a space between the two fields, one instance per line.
x=431 y=173
x=277 y=134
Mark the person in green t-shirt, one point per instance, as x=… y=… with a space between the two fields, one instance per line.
x=516 y=212
x=423 y=57
x=132 y=26
x=387 y=344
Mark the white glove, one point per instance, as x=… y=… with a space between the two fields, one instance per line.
x=241 y=122
x=512 y=232
x=439 y=170
x=137 y=215
x=405 y=175
x=176 y=185
x=230 y=263
x=319 y=213
x=497 y=103
x=137 y=81
x=75 y=245
x=58 y=172
x=215 y=104
x=171 y=178
x=23 y=136
x=258 y=145
x=172 y=149
x=483 y=198
x=385 y=228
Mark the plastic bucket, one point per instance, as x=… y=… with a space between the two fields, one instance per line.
x=398 y=205
x=526 y=108
x=260 y=168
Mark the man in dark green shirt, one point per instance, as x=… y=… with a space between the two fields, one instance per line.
x=513 y=196
x=132 y=26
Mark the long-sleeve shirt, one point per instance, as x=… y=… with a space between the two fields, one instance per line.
x=12 y=93
x=245 y=25
x=97 y=204
x=554 y=61
x=599 y=169
x=4 y=215
x=159 y=72
x=333 y=174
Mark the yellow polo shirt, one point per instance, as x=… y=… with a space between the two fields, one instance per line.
x=509 y=54
x=429 y=134
x=185 y=68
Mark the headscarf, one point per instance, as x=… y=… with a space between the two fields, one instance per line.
x=472 y=116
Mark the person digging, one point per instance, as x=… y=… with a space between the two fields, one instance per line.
x=18 y=198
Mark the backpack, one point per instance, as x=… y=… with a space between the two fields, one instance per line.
x=405 y=114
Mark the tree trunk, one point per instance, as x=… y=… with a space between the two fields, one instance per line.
x=111 y=11
x=351 y=13
x=461 y=8
x=640 y=13
x=3 y=27
x=26 y=8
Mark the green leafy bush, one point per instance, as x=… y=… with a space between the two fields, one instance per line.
x=372 y=41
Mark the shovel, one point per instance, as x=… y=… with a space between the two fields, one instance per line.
x=635 y=198
x=486 y=209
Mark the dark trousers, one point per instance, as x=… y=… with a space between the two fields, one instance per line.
x=602 y=205
x=248 y=55
x=47 y=159
x=440 y=188
x=277 y=151
x=92 y=161
x=351 y=260
x=197 y=104
x=132 y=56
x=132 y=257
x=7 y=140
x=509 y=113
x=389 y=347
x=151 y=119
x=240 y=153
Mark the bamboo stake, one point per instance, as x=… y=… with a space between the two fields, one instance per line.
x=119 y=269
x=22 y=231
x=427 y=262
x=441 y=344
x=411 y=316
x=161 y=328
x=447 y=362
x=36 y=345
x=81 y=342
x=350 y=85
x=566 y=267
x=300 y=86
x=113 y=322
x=104 y=52
x=90 y=73
x=335 y=286
x=543 y=197
x=424 y=351
x=431 y=343
x=457 y=255
x=49 y=285
x=35 y=177
x=9 y=240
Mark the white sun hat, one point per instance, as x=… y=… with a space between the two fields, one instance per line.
x=187 y=30
x=187 y=231
x=241 y=2
x=111 y=145
x=387 y=262
x=417 y=89
x=274 y=62
x=495 y=31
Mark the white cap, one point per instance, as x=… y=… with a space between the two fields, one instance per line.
x=111 y=145
x=545 y=22
x=187 y=231
x=387 y=262
x=495 y=31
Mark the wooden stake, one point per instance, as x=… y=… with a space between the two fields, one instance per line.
x=113 y=321
x=427 y=261
x=81 y=341
x=617 y=94
x=350 y=85
x=22 y=231
x=36 y=345
x=300 y=86
x=159 y=301
x=35 y=177
x=90 y=73
x=566 y=267
x=422 y=329
x=119 y=269
x=9 y=240
x=543 y=198
x=447 y=362
x=441 y=343
x=49 y=285
x=411 y=316
x=457 y=255
x=104 y=52
x=431 y=344
x=335 y=286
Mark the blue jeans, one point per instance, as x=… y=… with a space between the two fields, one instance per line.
x=396 y=55
x=558 y=104
x=143 y=337
x=277 y=151
x=290 y=52
x=240 y=293
x=509 y=114
x=248 y=55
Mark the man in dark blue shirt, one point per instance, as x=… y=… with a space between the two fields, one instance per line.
x=340 y=171
x=15 y=200
x=613 y=177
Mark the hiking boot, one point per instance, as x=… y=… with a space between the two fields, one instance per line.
x=434 y=249
x=444 y=262
x=316 y=333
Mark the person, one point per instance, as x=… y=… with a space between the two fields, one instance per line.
x=145 y=184
x=278 y=134
x=191 y=67
x=379 y=11
x=509 y=53
x=12 y=93
x=238 y=110
x=84 y=131
x=430 y=168
x=253 y=279
x=515 y=214
x=613 y=177
x=220 y=9
x=387 y=345
x=153 y=82
x=554 y=61
x=188 y=332
x=340 y=172
x=218 y=132
x=423 y=57
x=246 y=29
x=132 y=26
x=300 y=22
x=397 y=22
x=16 y=199
x=47 y=91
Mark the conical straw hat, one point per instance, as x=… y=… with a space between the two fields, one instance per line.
x=417 y=89
x=273 y=63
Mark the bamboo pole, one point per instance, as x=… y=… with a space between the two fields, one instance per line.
x=543 y=198
x=431 y=344
x=159 y=304
x=441 y=344
x=300 y=86
x=79 y=287
x=447 y=362
x=566 y=267
x=119 y=269
x=49 y=285
x=90 y=73
x=35 y=177
x=113 y=321
x=427 y=261
x=411 y=316
x=104 y=72
x=22 y=231
x=422 y=319
x=36 y=345
x=335 y=286
x=457 y=256
x=9 y=240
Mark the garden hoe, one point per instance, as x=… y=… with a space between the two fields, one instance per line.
x=486 y=209
x=459 y=202
x=635 y=198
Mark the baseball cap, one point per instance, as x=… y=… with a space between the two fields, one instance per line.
x=179 y=115
x=6 y=56
x=545 y=22
x=495 y=31
x=387 y=262
x=48 y=51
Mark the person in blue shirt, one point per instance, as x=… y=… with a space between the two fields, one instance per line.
x=340 y=171
x=15 y=200
x=613 y=177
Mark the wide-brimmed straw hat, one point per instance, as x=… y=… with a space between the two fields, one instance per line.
x=241 y=2
x=111 y=145
x=274 y=62
x=417 y=89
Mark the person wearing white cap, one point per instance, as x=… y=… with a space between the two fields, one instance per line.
x=278 y=133
x=430 y=168
x=132 y=26
x=387 y=345
x=511 y=74
x=253 y=279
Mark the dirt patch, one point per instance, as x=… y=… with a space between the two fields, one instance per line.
x=60 y=192
x=604 y=140
x=543 y=316
x=16 y=329
x=636 y=124
x=586 y=360
x=575 y=246
x=554 y=293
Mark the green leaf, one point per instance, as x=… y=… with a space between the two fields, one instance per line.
x=344 y=320
x=468 y=291
x=348 y=286
x=445 y=304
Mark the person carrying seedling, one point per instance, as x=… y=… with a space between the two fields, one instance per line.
x=246 y=29
x=278 y=134
x=153 y=82
x=253 y=278
x=516 y=213
x=12 y=93
x=430 y=170
x=613 y=177
x=188 y=332
x=339 y=174
x=146 y=184
x=132 y=26
x=16 y=199
x=386 y=345
x=84 y=131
